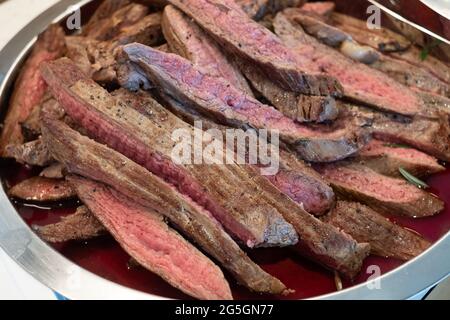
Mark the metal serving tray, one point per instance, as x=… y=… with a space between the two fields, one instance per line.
x=55 y=271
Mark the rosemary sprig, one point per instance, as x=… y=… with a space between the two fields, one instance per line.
x=427 y=48
x=412 y=179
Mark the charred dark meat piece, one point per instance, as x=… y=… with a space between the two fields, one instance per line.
x=386 y=238
x=144 y=235
x=257 y=9
x=30 y=87
x=81 y=225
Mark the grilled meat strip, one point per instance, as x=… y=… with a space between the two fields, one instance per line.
x=228 y=191
x=405 y=73
x=144 y=235
x=360 y=82
x=322 y=8
x=96 y=58
x=105 y=11
x=257 y=9
x=185 y=38
x=320 y=243
x=240 y=35
x=33 y=153
x=387 y=159
x=183 y=82
x=431 y=136
x=40 y=189
x=294 y=178
x=189 y=41
x=85 y=157
x=81 y=225
x=386 y=238
x=382 y=193
x=110 y=25
x=30 y=87
x=390 y=43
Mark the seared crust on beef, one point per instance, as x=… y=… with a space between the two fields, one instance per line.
x=386 y=238
x=40 y=189
x=88 y=158
x=81 y=225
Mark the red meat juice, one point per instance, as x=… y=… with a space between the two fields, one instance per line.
x=104 y=257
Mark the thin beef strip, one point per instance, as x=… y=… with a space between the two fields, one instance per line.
x=387 y=159
x=40 y=189
x=30 y=87
x=240 y=35
x=320 y=242
x=105 y=11
x=405 y=73
x=386 y=238
x=360 y=82
x=294 y=178
x=185 y=38
x=228 y=191
x=144 y=235
x=182 y=81
x=81 y=225
x=33 y=153
x=85 y=157
x=257 y=9
x=108 y=27
x=390 y=43
x=382 y=193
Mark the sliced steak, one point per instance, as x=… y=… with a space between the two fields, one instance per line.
x=387 y=159
x=106 y=9
x=111 y=25
x=382 y=193
x=53 y=171
x=96 y=58
x=390 y=43
x=431 y=136
x=229 y=192
x=30 y=87
x=257 y=9
x=31 y=127
x=294 y=178
x=183 y=82
x=240 y=35
x=33 y=153
x=185 y=38
x=360 y=82
x=144 y=235
x=147 y=31
x=88 y=158
x=439 y=102
x=386 y=238
x=81 y=225
x=39 y=189
x=299 y=107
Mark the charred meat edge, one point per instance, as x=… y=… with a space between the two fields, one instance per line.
x=85 y=157
x=144 y=235
x=249 y=218
x=386 y=238
x=218 y=98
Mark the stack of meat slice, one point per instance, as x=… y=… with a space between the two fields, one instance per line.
x=113 y=148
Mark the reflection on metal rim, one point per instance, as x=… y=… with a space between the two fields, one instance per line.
x=65 y=277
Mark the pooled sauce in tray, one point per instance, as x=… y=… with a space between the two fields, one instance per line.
x=104 y=257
